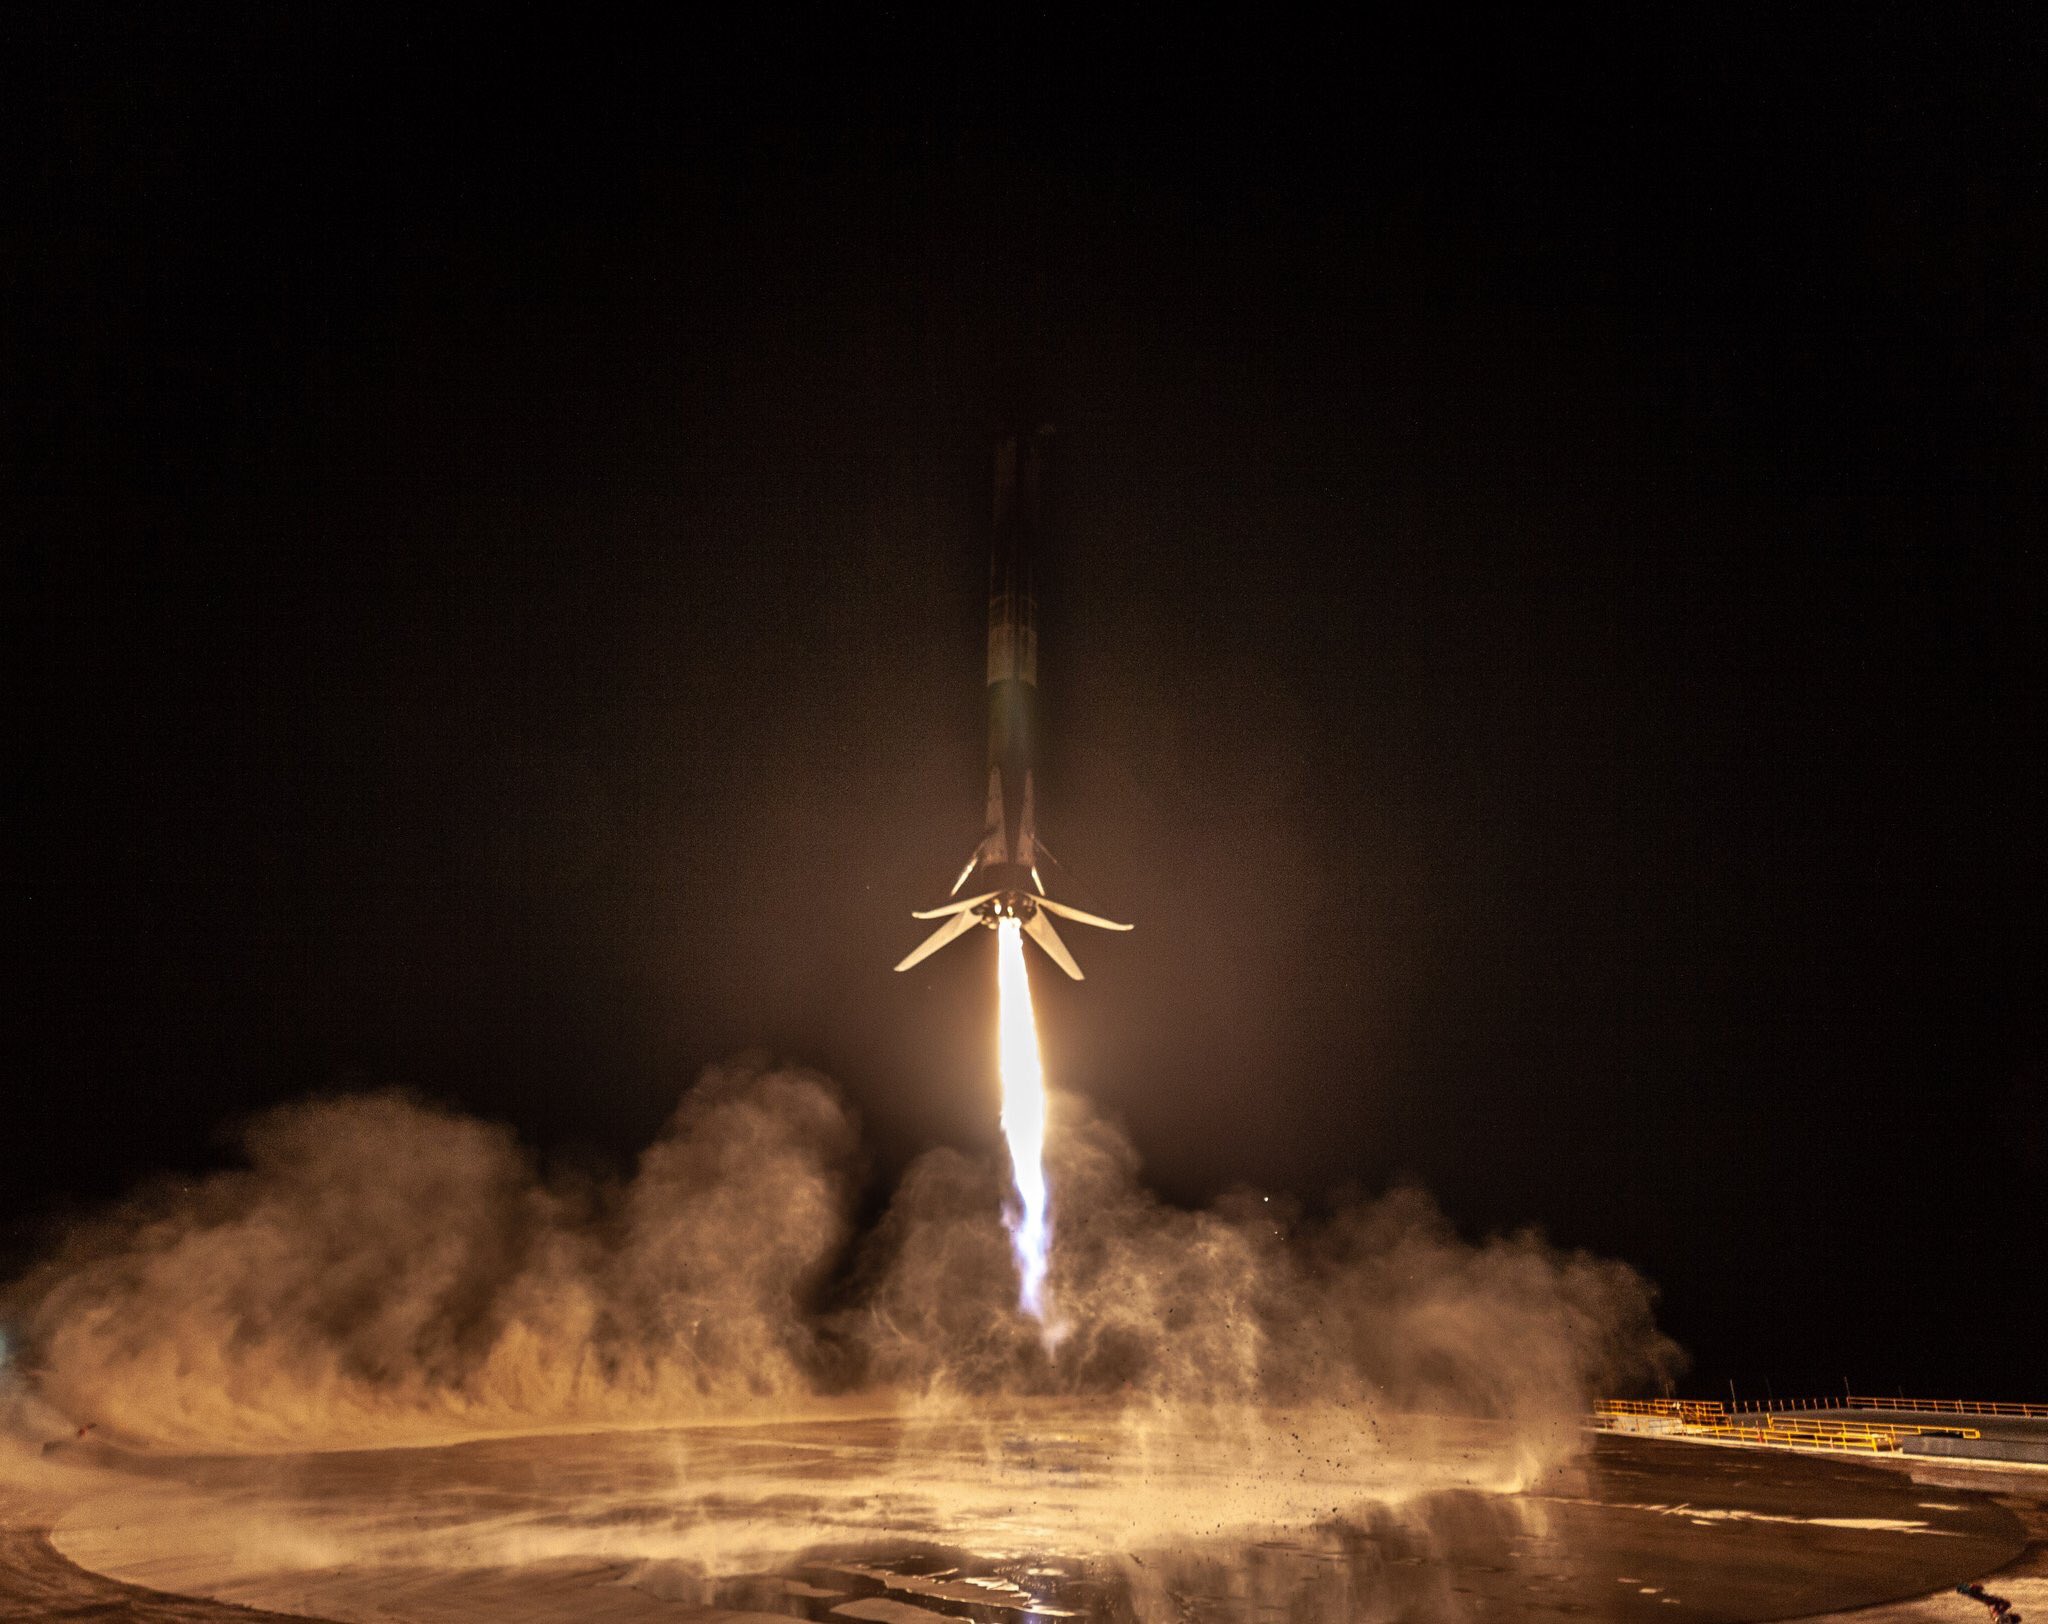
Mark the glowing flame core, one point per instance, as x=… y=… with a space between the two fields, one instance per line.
x=1030 y=1221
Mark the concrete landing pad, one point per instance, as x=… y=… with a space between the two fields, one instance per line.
x=804 y=1521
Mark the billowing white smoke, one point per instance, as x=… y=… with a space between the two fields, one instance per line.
x=383 y=1268
x=1380 y=1304
x=384 y=1271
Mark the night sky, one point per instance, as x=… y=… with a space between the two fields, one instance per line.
x=1537 y=630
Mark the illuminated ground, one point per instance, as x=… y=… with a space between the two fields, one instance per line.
x=861 y=1520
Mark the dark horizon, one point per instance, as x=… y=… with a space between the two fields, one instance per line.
x=1536 y=619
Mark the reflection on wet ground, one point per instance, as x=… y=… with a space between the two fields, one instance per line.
x=879 y=1521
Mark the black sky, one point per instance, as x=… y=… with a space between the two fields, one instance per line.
x=1539 y=629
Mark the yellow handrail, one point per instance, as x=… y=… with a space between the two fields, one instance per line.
x=1686 y=1418
x=1895 y=1429
x=1872 y=1443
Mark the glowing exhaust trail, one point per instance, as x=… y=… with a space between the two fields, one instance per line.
x=1030 y=1221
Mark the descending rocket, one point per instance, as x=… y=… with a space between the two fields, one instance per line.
x=1005 y=866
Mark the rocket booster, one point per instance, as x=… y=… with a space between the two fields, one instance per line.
x=1012 y=665
x=1005 y=865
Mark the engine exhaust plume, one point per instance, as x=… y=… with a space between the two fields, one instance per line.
x=1023 y=1074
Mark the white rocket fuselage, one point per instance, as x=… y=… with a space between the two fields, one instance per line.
x=1003 y=874
x=1008 y=851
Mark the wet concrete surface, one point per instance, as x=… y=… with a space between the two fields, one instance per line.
x=2023 y=1581
x=797 y=1521
x=37 y=1584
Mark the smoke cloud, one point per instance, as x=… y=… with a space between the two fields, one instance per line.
x=383 y=1271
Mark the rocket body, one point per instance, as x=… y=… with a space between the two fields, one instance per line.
x=1005 y=866
x=1010 y=834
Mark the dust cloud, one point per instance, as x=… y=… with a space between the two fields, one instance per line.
x=385 y=1272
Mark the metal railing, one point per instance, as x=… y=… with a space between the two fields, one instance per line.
x=1684 y=1418
x=1721 y=1429
x=1892 y=1429
x=1807 y=1406
x=1790 y=1435
x=1772 y=1406
x=1678 y=1408
x=1941 y=1406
